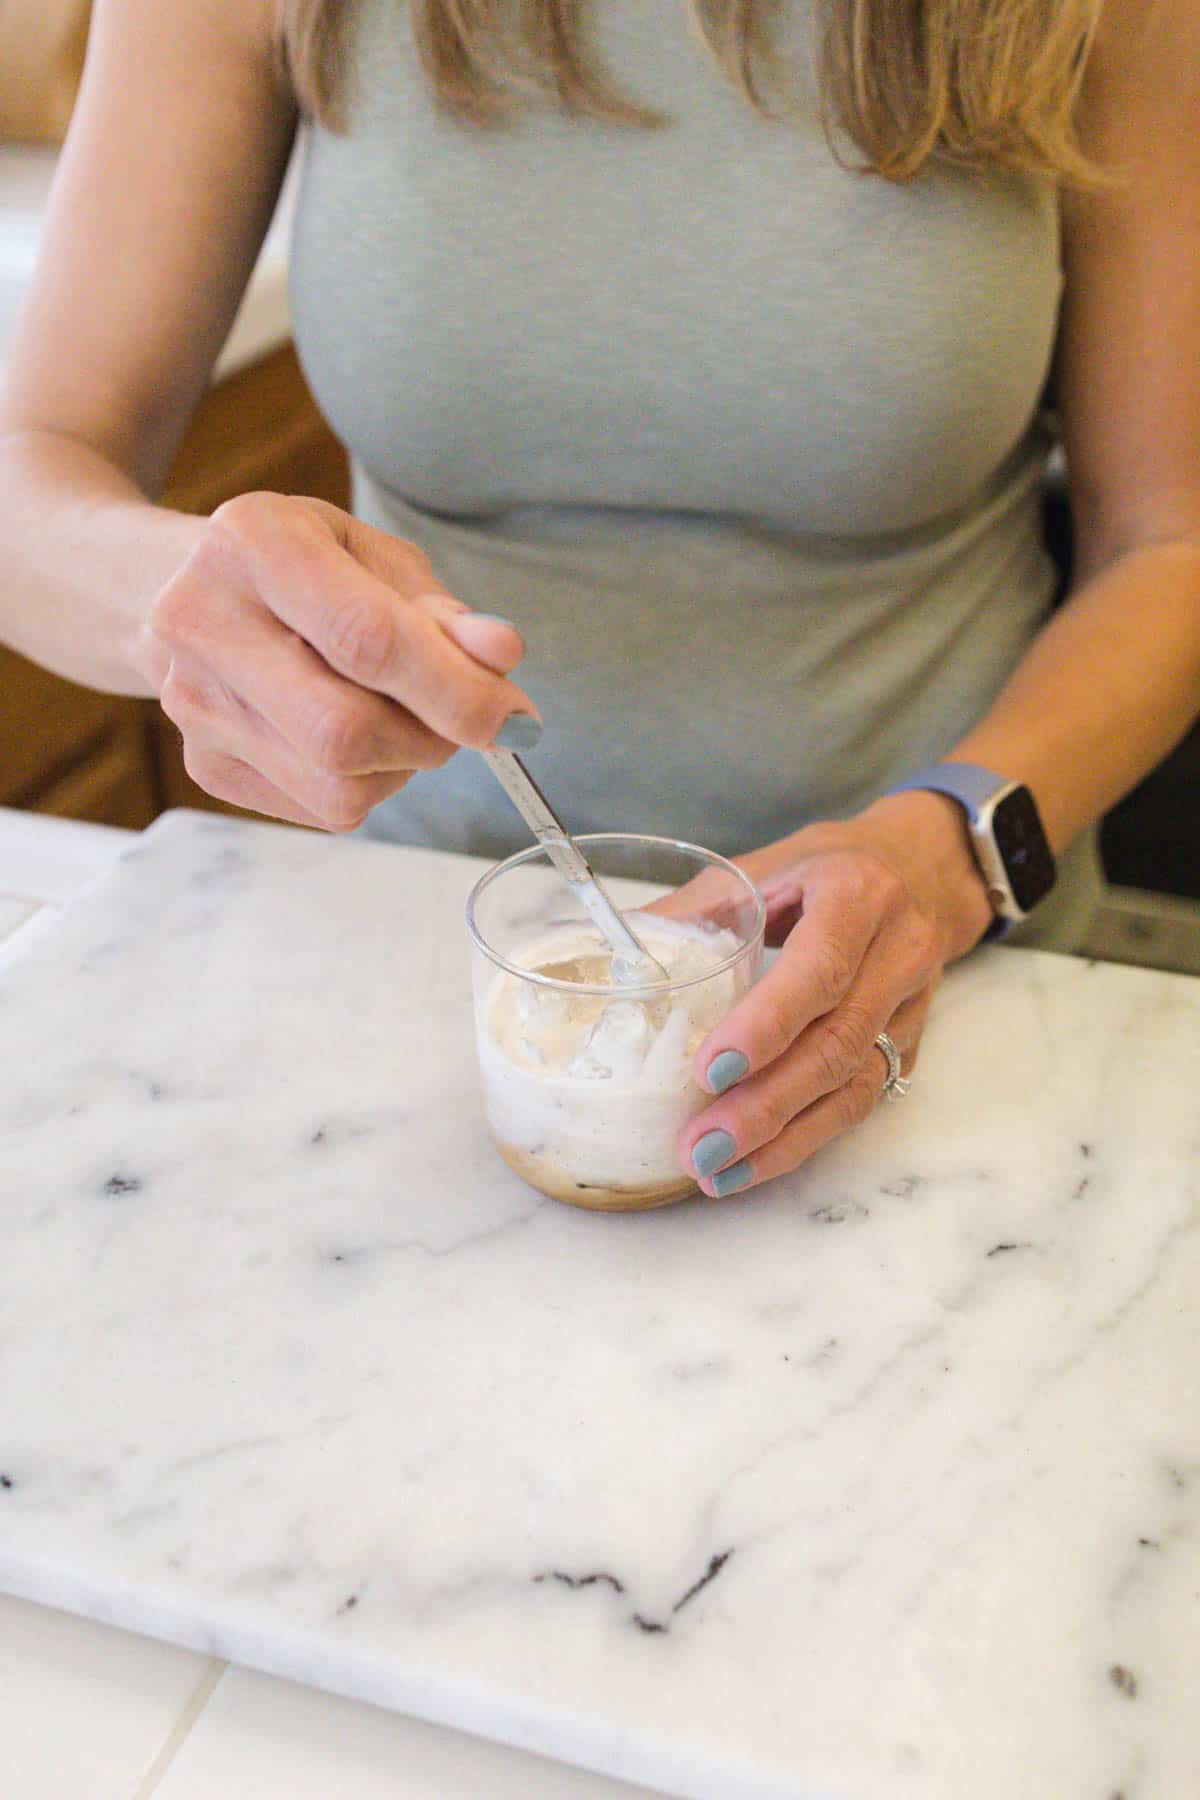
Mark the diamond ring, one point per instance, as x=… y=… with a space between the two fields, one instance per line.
x=896 y=1086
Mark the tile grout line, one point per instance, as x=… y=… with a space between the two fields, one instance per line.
x=180 y=1731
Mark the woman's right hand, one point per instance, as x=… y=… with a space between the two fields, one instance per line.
x=313 y=664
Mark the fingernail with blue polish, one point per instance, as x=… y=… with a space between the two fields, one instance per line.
x=732 y=1181
x=711 y=1151
x=726 y=1069
x=495 y=619
x=520 y=731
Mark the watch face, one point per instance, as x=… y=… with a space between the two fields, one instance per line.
x=1023 y=848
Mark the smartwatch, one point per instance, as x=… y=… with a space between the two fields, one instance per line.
x=1006 y=832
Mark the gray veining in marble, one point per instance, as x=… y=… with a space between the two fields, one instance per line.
x=883 y=1483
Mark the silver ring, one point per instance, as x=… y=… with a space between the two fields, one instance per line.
x=896 y=1086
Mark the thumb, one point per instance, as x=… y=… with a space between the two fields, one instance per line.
x=492 y=641
x=495 y=643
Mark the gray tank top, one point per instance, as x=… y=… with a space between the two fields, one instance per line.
x=746 y=443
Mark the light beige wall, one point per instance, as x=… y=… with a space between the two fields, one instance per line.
x=41 y=56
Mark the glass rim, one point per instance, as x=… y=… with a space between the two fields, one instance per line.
x=536 y=851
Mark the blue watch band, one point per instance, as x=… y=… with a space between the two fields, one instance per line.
x=969 y=783
x=972 y=786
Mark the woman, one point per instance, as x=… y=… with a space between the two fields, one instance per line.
x=717 y=365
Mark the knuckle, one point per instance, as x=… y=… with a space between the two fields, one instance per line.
x=922 y=950
x=842 y=1044
x=435 y=754
x=343 y=806
x=415 y=562
x=763 y=1116
x=184 y=703
x=362 y=640
x=891 y=886
x=883 y=881
x=424 y=750
x=175 y=611
x=776 y=1020
x=342 y=737
x=303 y=555
x=198 y=763
x=929 y=942
x=856 y=1100
x=240 y=521
x=832 y=973
x=216 y=774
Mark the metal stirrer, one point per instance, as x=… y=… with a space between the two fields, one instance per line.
x=632 y=964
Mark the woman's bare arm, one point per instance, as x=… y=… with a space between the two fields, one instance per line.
x=1102 y=694
x=164 y=192
x=1113 y=682
x=311 y=663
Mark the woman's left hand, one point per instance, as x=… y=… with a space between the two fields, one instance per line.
x=868 y=911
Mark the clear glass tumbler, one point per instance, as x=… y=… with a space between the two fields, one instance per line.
x=586 y=1085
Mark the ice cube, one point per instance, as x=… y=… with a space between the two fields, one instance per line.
x=693 y=959
x=619 y=1038
x=622 y=1026
x=666 y=1061
x=586 y=1067
x=540 y=1009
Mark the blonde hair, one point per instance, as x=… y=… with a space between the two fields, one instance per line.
x=987 y=83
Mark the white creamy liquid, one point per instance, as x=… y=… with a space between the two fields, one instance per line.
x=594 y=1088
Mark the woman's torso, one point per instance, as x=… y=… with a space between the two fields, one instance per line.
x=745 y=442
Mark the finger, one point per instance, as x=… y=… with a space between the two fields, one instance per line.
x=496 y=643
x=714 y=897
x=807 y=1133
x=226 y=738
x=366 y=630
x=857 y=911
x=783 y=896
x=225 y=778
x=755 y=1112
x=492 y=641
x=329 y=802
x=831 y=1116
x=912 y=1020
x=248 y=660
x=810 y=977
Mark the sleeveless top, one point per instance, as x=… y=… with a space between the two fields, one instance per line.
x=746 y=442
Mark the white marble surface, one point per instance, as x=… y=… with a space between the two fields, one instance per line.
x=46 y=862
x=145 y=1714
x=930 y=1458
x=15 y=911
x=263 y=321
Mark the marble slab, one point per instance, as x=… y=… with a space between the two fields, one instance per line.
x=149 y=1719
x=885 y=1482
x=46 y=861
x=14 y=913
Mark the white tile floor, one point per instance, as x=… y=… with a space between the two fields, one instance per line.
x=85 y=1711
x=259 y=1736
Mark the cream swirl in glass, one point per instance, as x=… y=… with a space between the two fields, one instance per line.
x=587 y=1083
